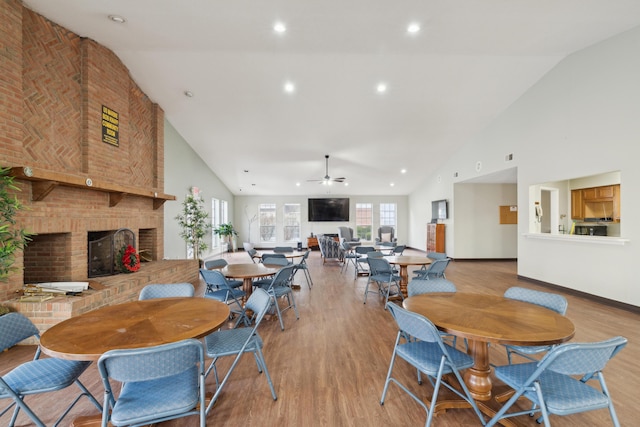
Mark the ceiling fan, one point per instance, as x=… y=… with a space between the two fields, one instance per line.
x=327 y=179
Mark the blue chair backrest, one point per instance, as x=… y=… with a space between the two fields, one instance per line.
x=414 y=324
x=438 y=267
x=398 y=250
x=15 y=327
x=436 y=255
x=275 y=261
x=421 y=286
x=581 y=358
x=282 y=249
x=379 y=266
x=166 y=291
x=142 y=364
x=259 y=302
x=364 y=249
x=214 y=278
x=552 y=301
x=215 y=263
x=282 y=277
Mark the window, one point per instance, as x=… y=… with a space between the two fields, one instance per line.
x=364 y=220
x=388 y=214
x=219 y=215
x=292 y=222
x=267 y=221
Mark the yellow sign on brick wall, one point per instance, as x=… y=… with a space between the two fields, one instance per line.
x=110 y=126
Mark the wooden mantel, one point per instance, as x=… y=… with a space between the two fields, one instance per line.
x=43 y=182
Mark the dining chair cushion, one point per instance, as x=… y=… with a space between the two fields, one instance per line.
x=53 y=374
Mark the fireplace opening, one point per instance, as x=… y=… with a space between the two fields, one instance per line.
x=46 y=258
x=104 y=247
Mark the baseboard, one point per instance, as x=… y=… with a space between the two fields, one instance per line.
x=595 y=298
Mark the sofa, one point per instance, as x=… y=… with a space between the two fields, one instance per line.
x=330 y=249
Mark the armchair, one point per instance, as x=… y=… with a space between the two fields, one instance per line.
x=330 y=249
x=347 y=234
x=386 y=236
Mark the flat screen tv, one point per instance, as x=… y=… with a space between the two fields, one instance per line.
x=329 y=209
x=439 y=210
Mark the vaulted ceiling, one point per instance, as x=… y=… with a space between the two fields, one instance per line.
x=466 y=63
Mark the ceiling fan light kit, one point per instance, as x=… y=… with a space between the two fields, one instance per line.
x=327 y=180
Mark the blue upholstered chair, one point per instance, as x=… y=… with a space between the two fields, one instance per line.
x=397 y=250
x=280 y=287
x=253 y=254
x=386 y=236
x=37 y=376
x=302 y=266
x=362 y=265
x=350 y=256
x=159 y=383
x=553 y=386
x=425 y=351
x=437 y=255
x=236 y=342
x=217 y=264
x=385 y=278
x=434 y=270
x=348 y=235
x=421 y=286
x=167 y=290
x=552 y=301
x=218 y=288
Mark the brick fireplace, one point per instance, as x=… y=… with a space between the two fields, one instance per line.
x=74 y=180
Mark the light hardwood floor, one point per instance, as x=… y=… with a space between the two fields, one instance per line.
x=329 y=367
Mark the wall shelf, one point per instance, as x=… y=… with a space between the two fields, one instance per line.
x=43 y=182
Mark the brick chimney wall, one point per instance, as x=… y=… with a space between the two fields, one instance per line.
x=53 y=85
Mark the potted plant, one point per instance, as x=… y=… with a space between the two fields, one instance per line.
x=227 y=232
x=193 y=220
x=12 y=238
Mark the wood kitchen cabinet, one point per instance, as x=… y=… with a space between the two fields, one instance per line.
x=596 y=202
x=435 y=238
x=577 y=211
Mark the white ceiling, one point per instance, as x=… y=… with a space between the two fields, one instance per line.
x=469 y=62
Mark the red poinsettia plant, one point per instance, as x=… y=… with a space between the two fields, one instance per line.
x=128 y=259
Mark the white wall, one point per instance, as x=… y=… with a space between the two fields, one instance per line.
x=479 y=233
x=184 y=169
x=250 y=205
x=582 y=118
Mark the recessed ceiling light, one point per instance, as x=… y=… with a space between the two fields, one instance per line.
x=297 y=184
x=413 y=28
x=346 y=184
x=117 y=18
x=403 y=171
x=279 y=28
x=392 y=184
x=289 y=87
x=188 y=94
x=381 y=88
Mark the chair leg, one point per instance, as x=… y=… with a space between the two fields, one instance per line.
x=260 y=358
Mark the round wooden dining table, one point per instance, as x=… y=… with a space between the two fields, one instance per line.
x=133 y=324
x=247 y=272
x=484 y=319
x=404 y=261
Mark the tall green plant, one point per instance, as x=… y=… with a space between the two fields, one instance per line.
x=194 y=223
x=12 y=238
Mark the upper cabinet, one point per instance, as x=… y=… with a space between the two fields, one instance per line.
x=596 y=202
